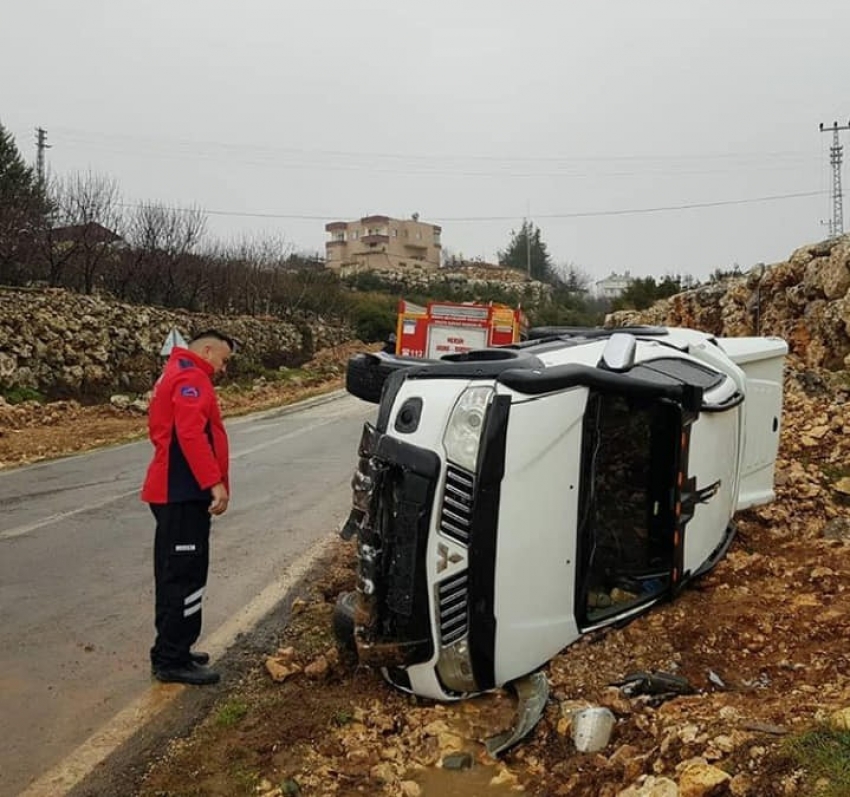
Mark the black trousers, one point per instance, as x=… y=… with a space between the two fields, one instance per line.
x=181 y=561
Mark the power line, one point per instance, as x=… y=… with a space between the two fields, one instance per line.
x=447 y=171
x=267 y=152
x=465 y=219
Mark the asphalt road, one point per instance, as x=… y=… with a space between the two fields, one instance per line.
x=76 y=576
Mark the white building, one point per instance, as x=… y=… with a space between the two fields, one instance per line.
x=613 y=285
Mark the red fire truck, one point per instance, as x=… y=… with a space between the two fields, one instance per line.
x=442 y=328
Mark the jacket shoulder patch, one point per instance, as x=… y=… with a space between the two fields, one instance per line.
x=189 y=391
x=184 y=363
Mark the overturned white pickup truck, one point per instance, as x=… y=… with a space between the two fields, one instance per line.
x=509 y=500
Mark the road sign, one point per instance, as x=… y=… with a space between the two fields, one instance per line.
x=174 y=339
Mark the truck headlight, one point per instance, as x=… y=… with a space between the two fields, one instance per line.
x=455 y=667
x=463 y=432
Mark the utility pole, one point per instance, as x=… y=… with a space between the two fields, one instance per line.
x=41 y=145
x=835 y=156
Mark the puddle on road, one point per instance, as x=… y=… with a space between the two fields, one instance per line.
x=475 y=782
x=473 y=720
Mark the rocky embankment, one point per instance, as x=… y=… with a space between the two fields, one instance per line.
x=805 y=300
x=64 y=344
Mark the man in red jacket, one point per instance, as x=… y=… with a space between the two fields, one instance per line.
x=186 y=483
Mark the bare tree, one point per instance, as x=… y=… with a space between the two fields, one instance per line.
x=255 y=265
x=164 y=242
x=82 y=238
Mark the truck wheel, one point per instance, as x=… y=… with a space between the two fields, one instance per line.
x=365 y=378
x=343 y=621
x=366 y=374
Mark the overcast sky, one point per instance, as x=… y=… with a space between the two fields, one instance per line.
x=473 y=113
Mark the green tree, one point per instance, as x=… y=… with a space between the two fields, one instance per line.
x=22 y=211
x=573 y=279
x=527 y=252
x=645 y=291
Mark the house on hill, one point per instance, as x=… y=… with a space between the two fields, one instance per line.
x=382 y=243
x=89 y=233
x=613 y=285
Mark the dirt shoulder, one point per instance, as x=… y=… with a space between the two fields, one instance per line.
x=762 y=639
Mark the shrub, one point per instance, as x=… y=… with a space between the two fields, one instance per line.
x=17 y=395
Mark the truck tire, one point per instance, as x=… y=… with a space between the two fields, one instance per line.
x=365 y=377
x=343 y=621
x=366 y=373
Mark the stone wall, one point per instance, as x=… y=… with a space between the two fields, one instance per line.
x=805 y=300
x=69 y=345
x=469 y=277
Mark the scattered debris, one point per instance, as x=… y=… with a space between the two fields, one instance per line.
x=716 y=679
x=764 y=727
x=654 y=683
x=591 y=729
x=533 y=692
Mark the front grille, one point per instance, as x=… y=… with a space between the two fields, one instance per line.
x=456 y=513
x=453 y=600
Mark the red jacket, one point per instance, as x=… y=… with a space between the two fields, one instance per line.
x=185 y=427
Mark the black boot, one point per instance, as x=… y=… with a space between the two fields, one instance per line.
x=195 y=674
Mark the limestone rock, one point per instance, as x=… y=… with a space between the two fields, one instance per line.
x=843 y=486
x=703 y=780
x=280 y=670
x=651 y=786
x=840 y=720
x=317 y=669
x=120 y=401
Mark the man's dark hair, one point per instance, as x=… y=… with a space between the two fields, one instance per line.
x=214 y=333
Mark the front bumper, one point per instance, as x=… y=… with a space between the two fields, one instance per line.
x=394 y=490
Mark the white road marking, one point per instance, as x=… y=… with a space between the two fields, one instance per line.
x=50 y=519
x=71 y=771
x=280 y=438
x=18 y=531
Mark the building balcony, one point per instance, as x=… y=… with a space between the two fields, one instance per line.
x=371 y=240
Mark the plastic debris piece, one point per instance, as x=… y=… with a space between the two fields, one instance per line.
x=716 y=679
x=654 y=683
x=591 y=729
x=533 y=692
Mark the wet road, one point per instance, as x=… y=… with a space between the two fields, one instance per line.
x=76 y=568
